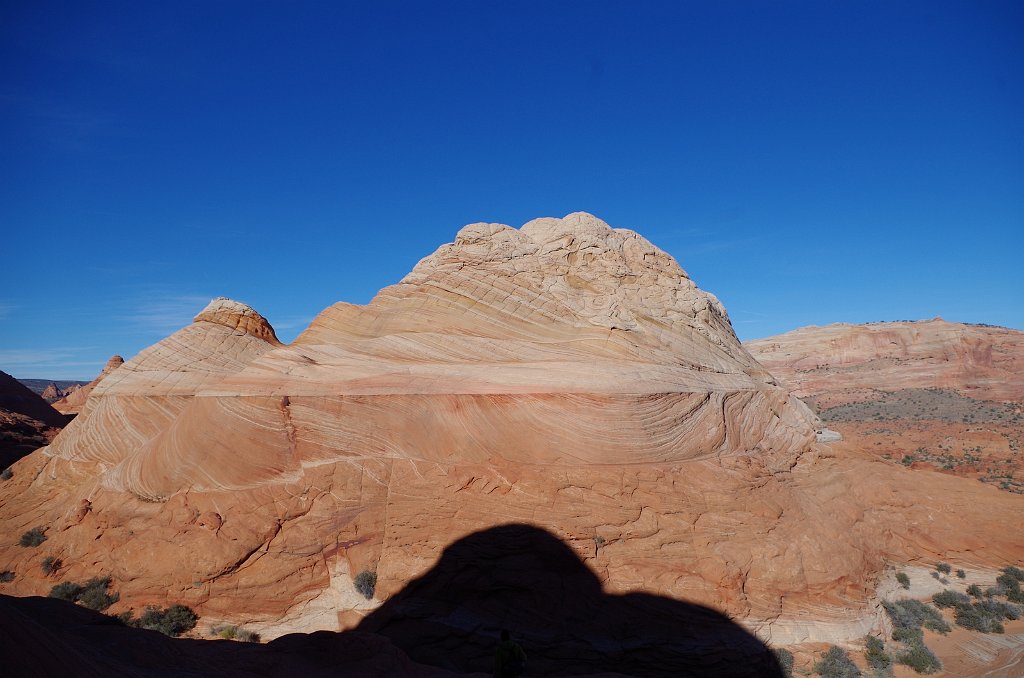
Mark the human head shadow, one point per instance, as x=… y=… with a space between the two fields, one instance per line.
x=524 y=579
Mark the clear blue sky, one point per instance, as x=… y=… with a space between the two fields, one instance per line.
x=808 y=162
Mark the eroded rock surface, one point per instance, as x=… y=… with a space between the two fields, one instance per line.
x=848 y=361
x=73 y=399
x=566 y=375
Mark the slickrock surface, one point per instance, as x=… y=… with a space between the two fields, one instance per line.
x=847 y=361
x=74 y=399
x=565 y=375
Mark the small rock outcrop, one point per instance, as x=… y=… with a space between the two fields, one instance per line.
x=75 y=397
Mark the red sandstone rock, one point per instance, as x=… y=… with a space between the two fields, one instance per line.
x=75 y=397
x=565 y=374
x=977 y=360
x=51 y=393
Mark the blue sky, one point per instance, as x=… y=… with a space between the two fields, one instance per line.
x=808 y=162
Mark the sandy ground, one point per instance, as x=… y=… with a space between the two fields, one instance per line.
x=969 y=654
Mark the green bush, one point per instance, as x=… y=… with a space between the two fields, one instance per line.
x=173 y=621
x=908 y=635
x=66 y=590
x=961 y=574
x=1008 y=582
x=908 y=614
x=974 y=590
x=836 y=664
x=978 y=618
x=919 y=658
x=232 y=632
x=93 y=594
x=50 y=565
x=944 y=568
x=949 y=598
x=876 y=655
x=33 y=537
x=1010 y=587
x=903 y=579
x=366 y=583
x=1014 y=572
x=6 y=576
x=786 y=660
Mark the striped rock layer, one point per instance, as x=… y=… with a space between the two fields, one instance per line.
x=565 y=374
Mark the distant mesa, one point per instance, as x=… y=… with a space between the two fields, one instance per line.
x=980 y=360
x=564 y=374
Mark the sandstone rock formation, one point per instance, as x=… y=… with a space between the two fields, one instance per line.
x=979 y=361
x=565 y=375
x=51 y=393
x=74 y=398
x=931 y=394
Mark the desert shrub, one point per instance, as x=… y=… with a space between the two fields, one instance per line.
x=232 y=632
x=247 y=636
x=936 y=575
x=6 y=474
x=949 y=598
x=944 y=568
x=1010 y=586
x=974 y=590
x=961 y=574
x=93 y=594
x=172 y=621
x=919 y=658
x=785 y=660
x=6 y=576
x=836 y=664
x=907 y=615
x=1014 y=572
x=875 y=654
x=366 y=583
x=1008 y=582
x=978 y=618
x=66 y=590
x=903 y=579
x=33 y=537
x=938 y=624
x=1007 y=610
x=908 y=635
x=50 y=565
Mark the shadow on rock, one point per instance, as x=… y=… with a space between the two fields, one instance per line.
x=524 y=579
x=445 y=623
